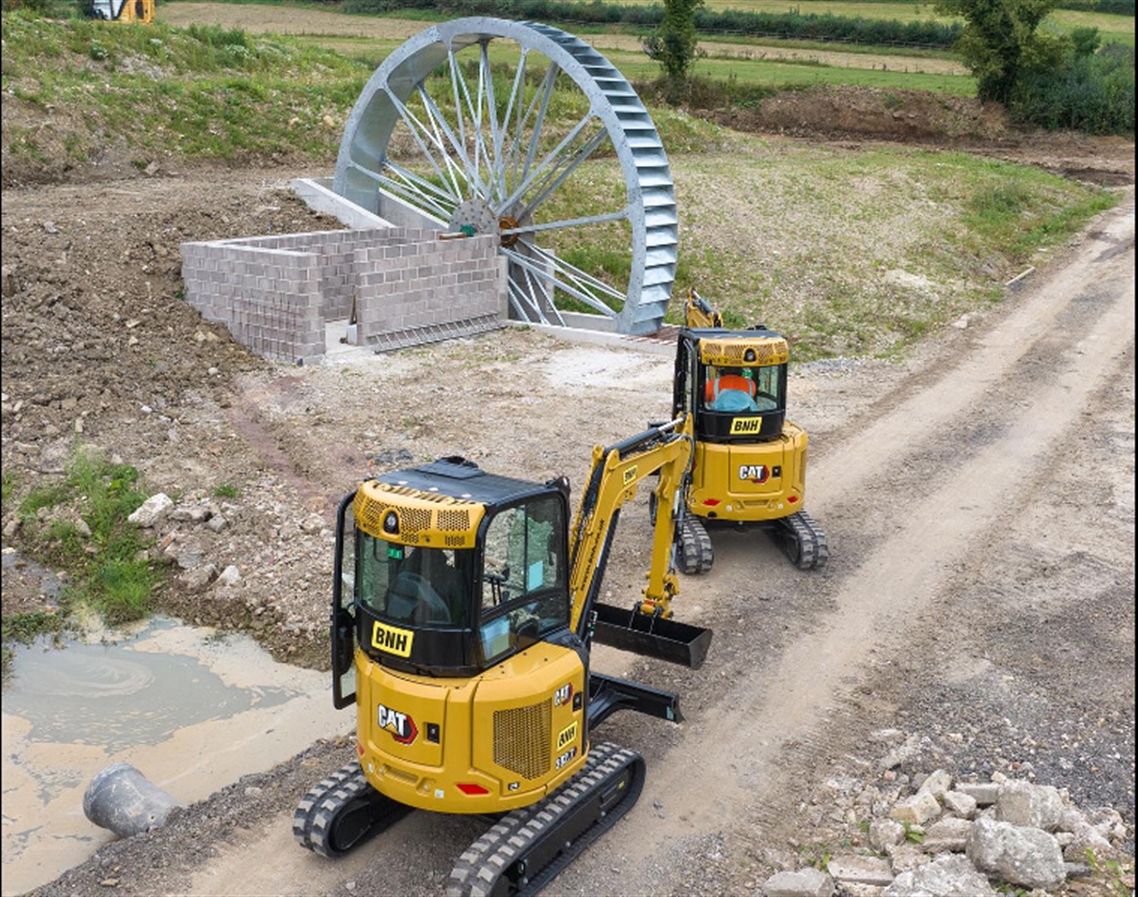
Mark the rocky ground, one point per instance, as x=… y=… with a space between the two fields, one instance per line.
x=976 y=623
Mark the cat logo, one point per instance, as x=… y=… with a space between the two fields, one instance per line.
x=756 y=473
x=391 y=640
x=630 y=474
x=567 y=736
x=563 y=694
x=746 y=426
x=400 y=725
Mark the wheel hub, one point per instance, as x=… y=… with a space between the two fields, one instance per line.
x=473 y=215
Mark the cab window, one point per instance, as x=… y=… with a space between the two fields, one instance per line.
x=413 y=585
x=740 y=390
x=524 y=591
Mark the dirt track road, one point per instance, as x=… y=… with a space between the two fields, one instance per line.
x=921 y=490
x=980 y=508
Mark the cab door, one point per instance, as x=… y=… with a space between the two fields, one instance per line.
x=344 y=607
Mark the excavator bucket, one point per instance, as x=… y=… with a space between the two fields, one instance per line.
x=629 y=630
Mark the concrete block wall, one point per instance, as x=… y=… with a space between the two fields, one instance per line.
x=276 y=293
x=415 y=287
x=268 y=298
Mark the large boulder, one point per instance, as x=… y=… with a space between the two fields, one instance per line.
x=1019 y=855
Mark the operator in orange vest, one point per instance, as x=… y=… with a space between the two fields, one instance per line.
x=730 y=391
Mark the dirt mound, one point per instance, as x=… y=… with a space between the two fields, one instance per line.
x=909 y=115
x=924 y=118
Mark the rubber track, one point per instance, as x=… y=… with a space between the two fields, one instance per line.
x=480 y=868
x=696 y=554
x=804 y=542
x=315 y=815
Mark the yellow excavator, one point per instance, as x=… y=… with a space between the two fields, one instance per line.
x=749 y=468
x=128 y=11
x=464 y=609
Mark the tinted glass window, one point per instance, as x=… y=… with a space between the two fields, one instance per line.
x=743 y=389
x=413 y=585
x=524 y=578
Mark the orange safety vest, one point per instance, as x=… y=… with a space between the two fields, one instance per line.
x=713 y=388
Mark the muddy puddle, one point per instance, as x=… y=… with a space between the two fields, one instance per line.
x=192 y=711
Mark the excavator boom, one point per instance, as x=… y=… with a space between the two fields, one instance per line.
x=646 y=627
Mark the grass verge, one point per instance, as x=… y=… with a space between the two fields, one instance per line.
x=79 y=525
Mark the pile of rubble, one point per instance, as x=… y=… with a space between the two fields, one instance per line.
x=252 y=565
x=969 y=839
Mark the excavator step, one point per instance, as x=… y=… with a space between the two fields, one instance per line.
x=527 y=848
x=630 y=630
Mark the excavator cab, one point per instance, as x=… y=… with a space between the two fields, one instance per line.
x=735 y=398
x=445 y=571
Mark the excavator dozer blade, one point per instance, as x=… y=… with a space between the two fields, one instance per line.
x=629 y=630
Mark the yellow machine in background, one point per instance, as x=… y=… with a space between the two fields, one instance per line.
x=749 y=467
x=463 y=614
x=141 y=11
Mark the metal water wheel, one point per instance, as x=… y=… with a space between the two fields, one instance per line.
x=483 y=125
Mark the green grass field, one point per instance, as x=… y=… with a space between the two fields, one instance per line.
x=1115 y=28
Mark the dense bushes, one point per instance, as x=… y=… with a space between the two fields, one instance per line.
x=827 y=27
x=792 y=25
x=1115 y=7
x=42 y=7
x=1089 y=92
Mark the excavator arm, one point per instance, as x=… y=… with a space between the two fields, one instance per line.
x=617 y=470
x=698 y=312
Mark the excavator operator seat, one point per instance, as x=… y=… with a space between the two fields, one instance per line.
x=446 y=581
x=410 y=598
x=426 y=589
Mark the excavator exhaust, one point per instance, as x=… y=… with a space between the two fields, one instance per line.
x=627 y=629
